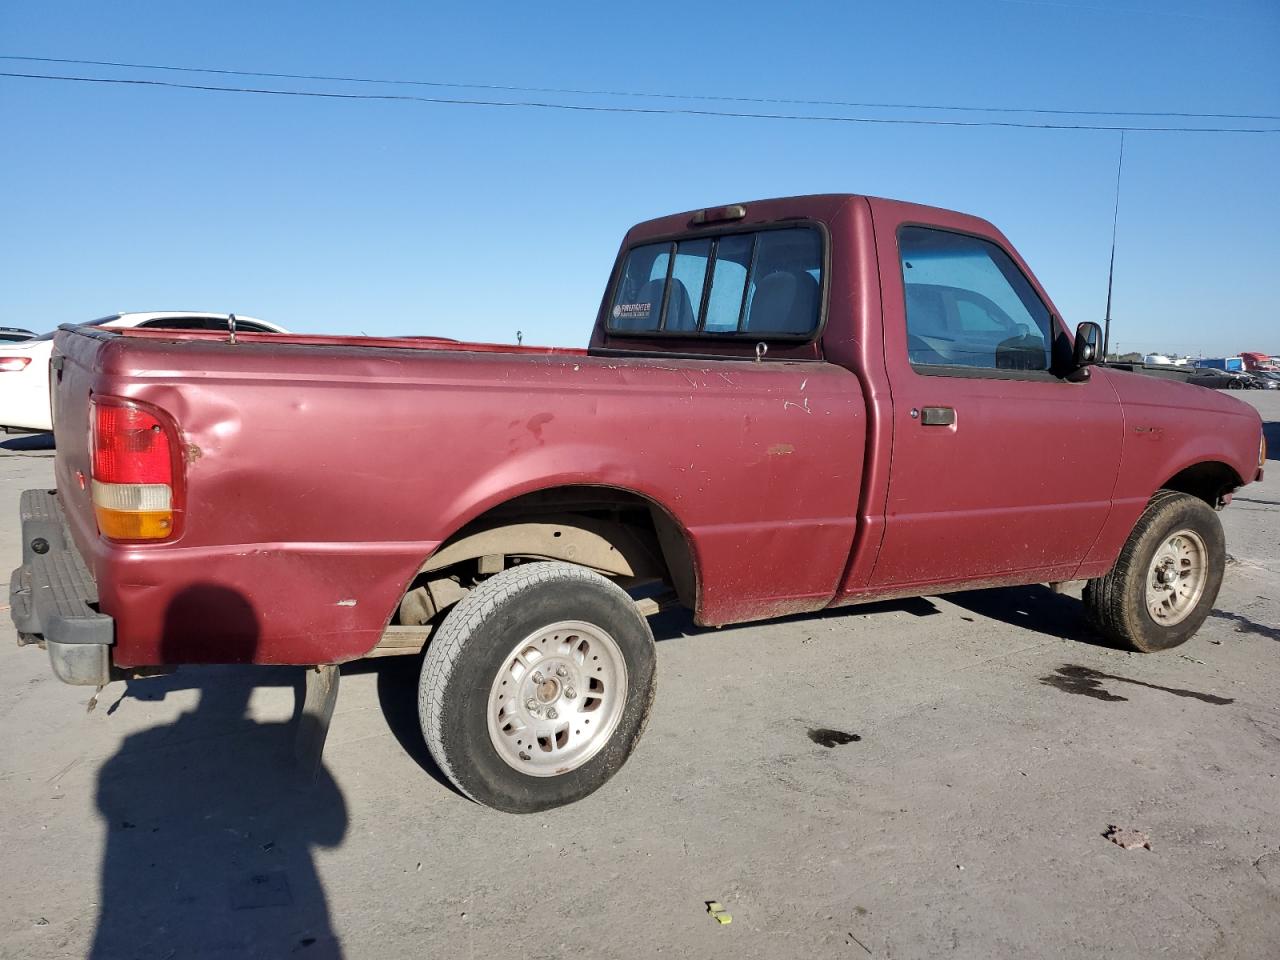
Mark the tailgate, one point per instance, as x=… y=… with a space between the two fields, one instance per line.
x=71 y=384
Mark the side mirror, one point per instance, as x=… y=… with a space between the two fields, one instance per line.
x=1088 y=346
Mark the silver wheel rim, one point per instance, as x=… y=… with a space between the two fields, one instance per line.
x=1176 y=578
x=557 y=698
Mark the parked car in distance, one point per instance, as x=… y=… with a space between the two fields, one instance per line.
x=1263 y=380
x=1213 y=377
x=1217 y=379
x=786 y=406
x=12 y=334
x=24 y=366
x=1162 y=371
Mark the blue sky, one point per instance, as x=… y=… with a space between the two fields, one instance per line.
x=473 y=222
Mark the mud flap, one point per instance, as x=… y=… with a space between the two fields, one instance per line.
x=318 y=701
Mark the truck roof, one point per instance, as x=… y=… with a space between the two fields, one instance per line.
x=818 y=206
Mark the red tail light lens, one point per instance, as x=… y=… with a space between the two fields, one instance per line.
x=130 y=445
x=134 y=470
x=13 y=364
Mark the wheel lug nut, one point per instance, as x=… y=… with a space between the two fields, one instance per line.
x=551 y=713
x=570 y=693
x=561 y=672
x=532 y=704
x=538 y=678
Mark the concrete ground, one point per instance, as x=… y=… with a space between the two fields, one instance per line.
x=977 y=748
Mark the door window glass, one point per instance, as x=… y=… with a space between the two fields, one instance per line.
x=968 y=305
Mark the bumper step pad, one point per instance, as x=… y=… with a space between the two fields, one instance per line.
x=53 y=595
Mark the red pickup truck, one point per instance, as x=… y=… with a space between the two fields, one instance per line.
x=786 y=405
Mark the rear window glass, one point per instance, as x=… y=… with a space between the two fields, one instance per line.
x=762 y=284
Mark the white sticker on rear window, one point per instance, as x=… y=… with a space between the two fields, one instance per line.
x=632 y=310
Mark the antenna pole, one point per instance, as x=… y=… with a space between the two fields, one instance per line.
x=1111 y=270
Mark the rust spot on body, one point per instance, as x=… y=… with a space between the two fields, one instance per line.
x=537 y=422
x=192 y=453
x=781 y=449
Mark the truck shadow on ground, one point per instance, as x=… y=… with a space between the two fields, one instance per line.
x=678 y=622
x=397 y=680
x=210 y=829
x=1035 y=608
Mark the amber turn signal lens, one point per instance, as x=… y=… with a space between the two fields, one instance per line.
x=134 y=525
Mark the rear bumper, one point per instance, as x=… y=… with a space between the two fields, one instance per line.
x=53 y=596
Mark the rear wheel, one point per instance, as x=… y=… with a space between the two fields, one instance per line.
x=1166 y=579
x=537 y=687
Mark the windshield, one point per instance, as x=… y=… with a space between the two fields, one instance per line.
x=88 y=323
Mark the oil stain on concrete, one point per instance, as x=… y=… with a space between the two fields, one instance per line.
x=825 y=737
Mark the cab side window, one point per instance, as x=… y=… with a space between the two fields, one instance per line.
x=969 y=306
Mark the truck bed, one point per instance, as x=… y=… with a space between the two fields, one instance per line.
x=320 y=472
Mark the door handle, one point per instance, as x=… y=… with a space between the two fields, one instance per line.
x=938 y=416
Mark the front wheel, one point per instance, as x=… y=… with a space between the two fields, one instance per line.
x=1166 y=579
x=537 y=687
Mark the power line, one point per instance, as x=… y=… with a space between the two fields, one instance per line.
x=1133 y=11
x=601 y=108
x=572 y=91
x=1136 y=12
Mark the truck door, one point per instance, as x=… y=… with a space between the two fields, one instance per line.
x=1001 y=467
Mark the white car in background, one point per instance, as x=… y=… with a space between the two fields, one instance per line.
x=24 y=366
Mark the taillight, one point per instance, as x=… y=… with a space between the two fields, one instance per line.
x=135 y=470
x=13 y=364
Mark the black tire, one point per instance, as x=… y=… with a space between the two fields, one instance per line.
x=1116 y=603
x=475 y=641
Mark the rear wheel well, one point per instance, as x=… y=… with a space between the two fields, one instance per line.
x=1208 y=481
x=614 y=532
